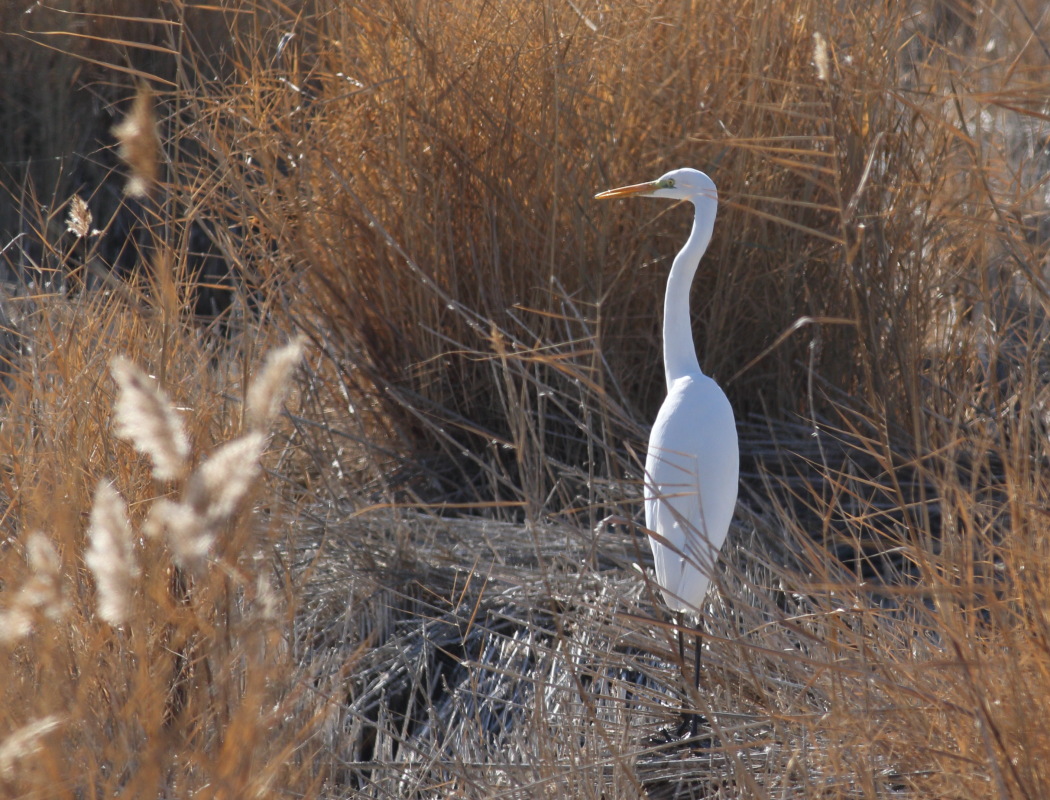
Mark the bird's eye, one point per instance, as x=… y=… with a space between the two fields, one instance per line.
x=668 y=183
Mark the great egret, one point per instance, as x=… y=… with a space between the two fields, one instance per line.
x=693 y=462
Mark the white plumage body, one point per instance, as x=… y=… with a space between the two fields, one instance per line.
x=691 y=475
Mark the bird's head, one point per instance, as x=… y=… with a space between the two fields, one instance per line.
x=679 y=184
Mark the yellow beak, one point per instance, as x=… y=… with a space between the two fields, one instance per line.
x=627 y=191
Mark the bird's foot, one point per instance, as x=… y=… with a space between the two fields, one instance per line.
x=688 y=732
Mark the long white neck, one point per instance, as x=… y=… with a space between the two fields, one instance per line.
x=679 y=351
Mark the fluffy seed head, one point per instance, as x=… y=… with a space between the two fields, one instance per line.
x=139 y=143
x=78 y=222
x=145 y=417
x=820 y=56
x=40 y=593
x=111 y=554
x=23 y=743
x=270 y=387
x=213 y=492
x=218 y=485
x=186 y=532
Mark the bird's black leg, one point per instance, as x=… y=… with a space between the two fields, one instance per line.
x=680 y=620
x=694 y=718
x=681 y=639
x=690 y=720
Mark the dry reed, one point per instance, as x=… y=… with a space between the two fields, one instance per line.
x=408 y=184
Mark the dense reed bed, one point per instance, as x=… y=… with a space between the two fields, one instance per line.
x=321 y=366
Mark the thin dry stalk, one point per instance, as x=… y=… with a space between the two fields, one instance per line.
x=412 y=184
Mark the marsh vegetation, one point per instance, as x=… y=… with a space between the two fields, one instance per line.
x=314 y=398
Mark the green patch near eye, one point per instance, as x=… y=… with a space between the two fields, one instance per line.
x=667 y=183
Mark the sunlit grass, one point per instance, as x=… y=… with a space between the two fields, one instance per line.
x=401 y=592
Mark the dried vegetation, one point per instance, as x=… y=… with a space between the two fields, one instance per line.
x=364 y=564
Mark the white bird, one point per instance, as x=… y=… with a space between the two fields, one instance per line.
x=693 y=462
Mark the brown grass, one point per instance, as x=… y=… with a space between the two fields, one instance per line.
x=402 y=596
